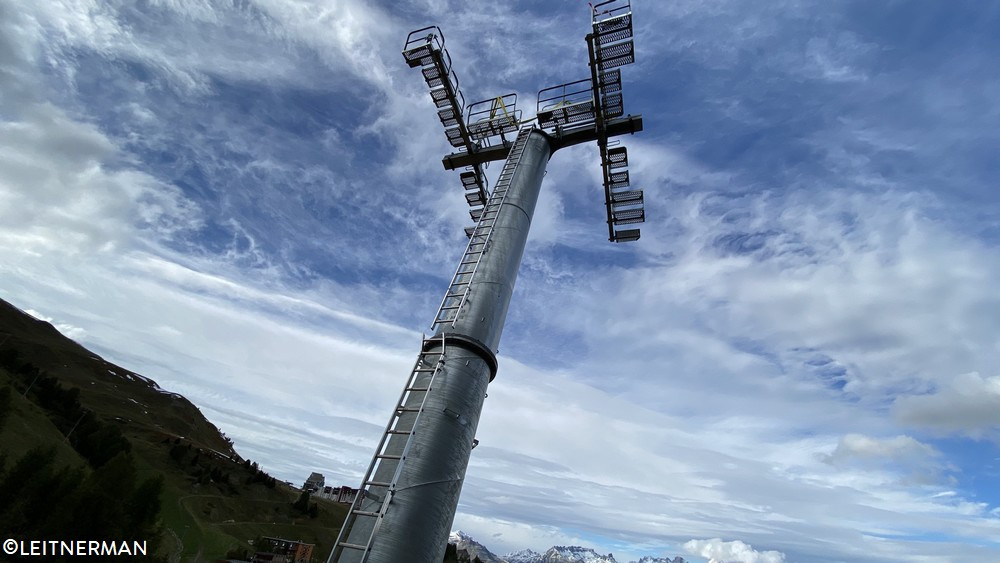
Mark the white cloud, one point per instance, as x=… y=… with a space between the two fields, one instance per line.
x=718 y=551
x=62 y=191
x=966 y=404
x=834 y=58
x=68 y=330
x=903 y=456
x=858 y=446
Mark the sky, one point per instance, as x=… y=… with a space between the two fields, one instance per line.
x=798 y=361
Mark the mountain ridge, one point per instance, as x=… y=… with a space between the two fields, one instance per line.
x=214 y=503
x=555 y=554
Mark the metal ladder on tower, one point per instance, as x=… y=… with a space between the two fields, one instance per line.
x=380 y=480
x=480 y=236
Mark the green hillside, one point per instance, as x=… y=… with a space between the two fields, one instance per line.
x=95 y=424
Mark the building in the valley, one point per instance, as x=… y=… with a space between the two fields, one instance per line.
x=342 y=494
x=278 y=550
x=314 y=483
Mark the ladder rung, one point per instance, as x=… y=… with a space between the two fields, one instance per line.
x=407 y=409
x=626 y=198
x=389 y=456
x=378 y=484
x=626 y=235
x=400 y=432
x=616 y=34
x=365 y=513
x=352 y=546
x=612 y=23
x=413 y=389
x=628 y=216
x=417 y=55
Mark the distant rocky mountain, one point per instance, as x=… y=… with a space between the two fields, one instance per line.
x=575 y=554
x=475 y=549
x=523 y=556
x=555 y=554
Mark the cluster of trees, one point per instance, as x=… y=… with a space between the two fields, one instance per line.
x=105 y=500
x=453 y=555
x=303 y=505
x=258 y=475
x=205 y=467
x=96 y=441
x=5 y=398
x=38 y=499
x=201 y=469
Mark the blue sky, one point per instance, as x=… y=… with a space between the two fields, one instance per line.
x=798 y=360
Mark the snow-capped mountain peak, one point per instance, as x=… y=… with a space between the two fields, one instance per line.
x=576 y=554
x=457 y=536
x=465 y=542
x=523 y=556
x=556 y=554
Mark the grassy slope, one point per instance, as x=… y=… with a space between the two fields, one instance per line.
x=28 y=427
x=209 y=518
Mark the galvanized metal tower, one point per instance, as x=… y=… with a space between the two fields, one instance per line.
x=409 y=494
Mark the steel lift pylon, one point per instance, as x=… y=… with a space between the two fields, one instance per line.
x=408 y=496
